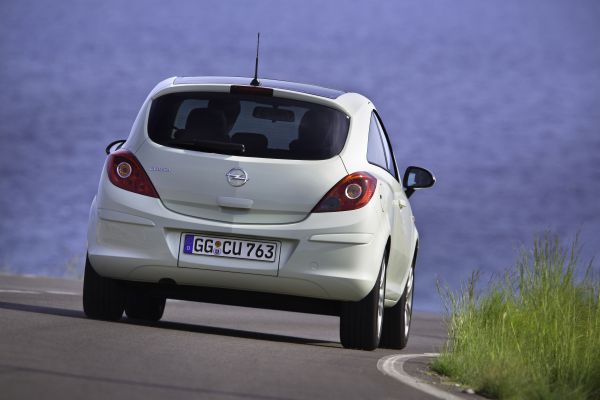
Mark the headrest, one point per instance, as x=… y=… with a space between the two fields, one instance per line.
x=229 y=107
x=314 y=126
x=206 y=124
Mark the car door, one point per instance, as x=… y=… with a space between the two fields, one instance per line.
x=395 y=205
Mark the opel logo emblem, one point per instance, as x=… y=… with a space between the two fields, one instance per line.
x=237 y=177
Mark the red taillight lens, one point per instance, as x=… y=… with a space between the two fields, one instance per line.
x=352 y=192
x=126 y=172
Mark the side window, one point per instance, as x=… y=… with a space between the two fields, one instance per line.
x=391 y=165
x=375 y=150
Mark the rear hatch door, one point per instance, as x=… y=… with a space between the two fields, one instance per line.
x=257 y=190
x=243 y=157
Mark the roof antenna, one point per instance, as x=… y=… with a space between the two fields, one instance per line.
x=255 y=81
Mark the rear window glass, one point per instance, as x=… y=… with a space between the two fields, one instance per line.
x=268 y=127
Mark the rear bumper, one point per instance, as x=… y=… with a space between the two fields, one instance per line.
x=333 y=256
x=241 y=298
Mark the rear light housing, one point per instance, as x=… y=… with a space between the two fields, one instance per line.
x=351 y=193
x=125 y=171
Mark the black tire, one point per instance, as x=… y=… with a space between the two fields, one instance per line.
x=396 y=320
x=360 y=323
x=143 y=307
x=103 y=298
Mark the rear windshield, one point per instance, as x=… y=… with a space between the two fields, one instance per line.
x=248 y=125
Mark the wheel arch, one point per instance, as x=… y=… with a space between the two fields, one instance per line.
x=415 y=253
x=390 y=302
x=386 y=249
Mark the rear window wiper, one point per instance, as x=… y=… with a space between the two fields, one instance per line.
x=210 y=146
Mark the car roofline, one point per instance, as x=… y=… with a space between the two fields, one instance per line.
x=348 y=102
x=266 y=83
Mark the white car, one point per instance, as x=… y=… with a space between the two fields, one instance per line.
x=278 y=195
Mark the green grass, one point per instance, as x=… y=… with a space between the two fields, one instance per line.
x=532 y=334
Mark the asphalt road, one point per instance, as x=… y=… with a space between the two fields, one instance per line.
x=49 y=349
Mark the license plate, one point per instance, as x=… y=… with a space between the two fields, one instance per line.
x=227 y=247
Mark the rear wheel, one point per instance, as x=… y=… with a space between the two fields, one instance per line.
x=396 y=324
x=103 y=298
x=144 y=307
x=361 y=322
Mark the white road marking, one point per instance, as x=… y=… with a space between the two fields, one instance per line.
x=394 y=366
x=62 y=292
x=18 y=291
x=59 y=292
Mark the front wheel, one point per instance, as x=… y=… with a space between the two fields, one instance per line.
x=396 y=322
x=361 y=322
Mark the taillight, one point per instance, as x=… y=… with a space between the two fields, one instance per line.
x=352 y=192
x=126 y=172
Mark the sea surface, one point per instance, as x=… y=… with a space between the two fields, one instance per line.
x=500 y=99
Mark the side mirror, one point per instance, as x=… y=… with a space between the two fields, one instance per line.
x=114 y=146
x=417 y=178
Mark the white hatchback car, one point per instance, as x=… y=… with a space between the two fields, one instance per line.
x=278 y=195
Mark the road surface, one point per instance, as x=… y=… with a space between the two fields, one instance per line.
x=49 y=349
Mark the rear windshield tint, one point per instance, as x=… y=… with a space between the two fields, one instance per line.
x=268 y=127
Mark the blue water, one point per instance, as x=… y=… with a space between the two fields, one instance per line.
x=500 y=99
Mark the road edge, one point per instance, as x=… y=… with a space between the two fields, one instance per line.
x=393 y=366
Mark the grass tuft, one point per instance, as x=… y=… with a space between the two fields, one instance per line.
x=533 y=333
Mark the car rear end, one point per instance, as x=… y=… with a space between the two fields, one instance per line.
x=236 y=187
